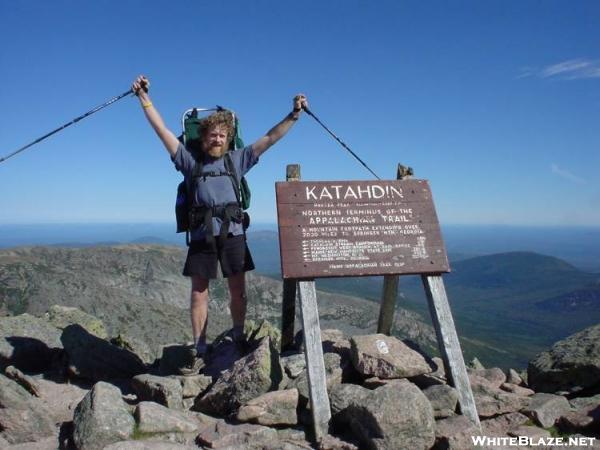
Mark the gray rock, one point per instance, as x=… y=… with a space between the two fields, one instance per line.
x=173 y=357
x=545 y=409
x=530 y=431
x=386 y=357
x=163 y=390
x=154 y=418
x=149 y=445
x=136 y=345
x=256 y=331
x=194 y=385
x=28 y=343
x=96 y=359
x=443 y=399
x=475 y=364
x=254 y=375
x=23 y=380
x=514 y=378
x=396 y=416
x=101 y=418
x=333 y=376
x=272 y=408
x=23 y=418
x=582 y=402
x=586 y=418
x=329 y=442
x=454 y=433
x=494 y=376
x=571 y=365
x=492 y=402
x=63 y=316
x=440 y=370
x=245 y=436
x=294 y=364
x=344 y=395
x=500 y=425
x=49 y=443
x=518 y=390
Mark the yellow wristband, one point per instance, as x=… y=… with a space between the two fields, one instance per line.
x=147 y=105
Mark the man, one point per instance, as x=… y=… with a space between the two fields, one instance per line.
x=209 y=243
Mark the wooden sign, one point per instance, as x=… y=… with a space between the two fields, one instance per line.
x=356 y=228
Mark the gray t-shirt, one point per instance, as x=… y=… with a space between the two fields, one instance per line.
x=214 y=190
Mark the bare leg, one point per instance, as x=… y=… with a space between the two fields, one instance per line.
x=199 y=307
x=237 y=291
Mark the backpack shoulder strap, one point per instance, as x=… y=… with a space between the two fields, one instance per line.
x=230 y=168
x=191 y=185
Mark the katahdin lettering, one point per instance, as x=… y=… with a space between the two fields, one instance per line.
x=358 y=192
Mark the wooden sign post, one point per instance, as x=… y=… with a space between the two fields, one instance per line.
x=360 y=228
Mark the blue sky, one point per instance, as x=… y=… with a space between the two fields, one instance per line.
x=496 y=103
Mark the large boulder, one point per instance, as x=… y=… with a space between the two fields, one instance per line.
x=545 y=409
x=63 y=316
x=382 y=356
x=154 y=418
x=101 y=418
x=443 y=399
x=149 y=445
x=23 y=418
x=194 y=385
x=455 y=433
x=272 y=408
x=333 y=375
x=491 y=401
x=245 y=436
x=495 y=376
x=166 y=391
x=502 y=424
x=28 y=343
x=96 y=359
x=255 y=374
x=571 y=365
x=395 y=416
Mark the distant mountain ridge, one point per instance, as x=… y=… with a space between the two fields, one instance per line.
x=522 y=301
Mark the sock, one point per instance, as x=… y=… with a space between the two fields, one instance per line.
x=201 y=345
x=238 y=332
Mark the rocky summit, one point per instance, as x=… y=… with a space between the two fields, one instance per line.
x=383 y=393
x=70 y=379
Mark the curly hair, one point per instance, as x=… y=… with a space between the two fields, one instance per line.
x=222 y=119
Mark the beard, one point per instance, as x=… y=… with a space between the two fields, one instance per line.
x=217 y=151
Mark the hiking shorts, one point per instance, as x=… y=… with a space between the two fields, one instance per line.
x=231 y=253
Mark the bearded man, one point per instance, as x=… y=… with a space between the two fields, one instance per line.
x=217 y=240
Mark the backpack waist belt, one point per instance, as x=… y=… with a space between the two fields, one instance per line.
x=230 y=212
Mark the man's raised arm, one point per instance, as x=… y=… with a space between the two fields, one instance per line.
x=279 y=130
x=140 y=88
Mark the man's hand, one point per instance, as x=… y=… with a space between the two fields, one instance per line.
x=300 y=102
x=141 y=85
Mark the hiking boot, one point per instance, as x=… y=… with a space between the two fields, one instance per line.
x=194 y=364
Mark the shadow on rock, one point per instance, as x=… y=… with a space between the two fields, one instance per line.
x=29 y=354
x=97 y=359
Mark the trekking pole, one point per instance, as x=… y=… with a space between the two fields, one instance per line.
x=309 y=112
x=89 y=113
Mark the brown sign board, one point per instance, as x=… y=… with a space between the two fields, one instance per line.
x=358 y=228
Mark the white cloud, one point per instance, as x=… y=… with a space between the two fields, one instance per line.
x=572 y=69
x=567 y=175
